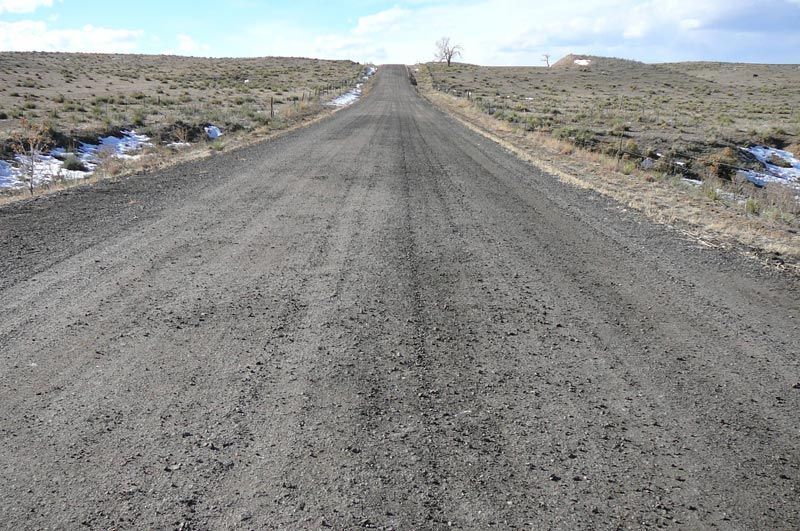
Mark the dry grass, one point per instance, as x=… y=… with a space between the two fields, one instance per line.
x=85 y=95
x=686 y=111
x=159 y=157
x=693 y=210
x=171 y=99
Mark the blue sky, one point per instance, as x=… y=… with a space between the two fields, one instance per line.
x=498 y=32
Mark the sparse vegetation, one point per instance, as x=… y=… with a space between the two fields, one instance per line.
x=779 y=161
x=686 y=120
x=73 y=163
x=29 y=142
x=168 y=98
x=705 y=107
x=723 y=164
x=752 y=206
x=98 y=94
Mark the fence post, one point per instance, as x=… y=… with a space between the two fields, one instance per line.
x=621 y=134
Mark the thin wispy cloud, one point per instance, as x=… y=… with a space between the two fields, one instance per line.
x=22 y=6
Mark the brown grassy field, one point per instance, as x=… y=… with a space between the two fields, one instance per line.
x=168 y=98
x=688 y=112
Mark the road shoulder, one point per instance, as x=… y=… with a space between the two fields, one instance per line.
x=683 y=209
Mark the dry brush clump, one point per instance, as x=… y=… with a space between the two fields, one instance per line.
x=723 y=164
x=30 y=142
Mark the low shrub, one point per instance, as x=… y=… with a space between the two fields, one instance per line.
x=577 y=135
x=711 y=189
x=723 y=163
x=533 y=123
x=779 y=161
x=73 y=163
x=752 y=206
x=665 y=163
x=775 y=137
x=631 y=148
x=139 y=117
x=628 y=167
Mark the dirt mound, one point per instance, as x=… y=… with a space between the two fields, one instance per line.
x=577 y=62
x=182 y=132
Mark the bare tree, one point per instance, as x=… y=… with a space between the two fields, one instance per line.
x=447 y=52
x=546 y=59
x=29 y=143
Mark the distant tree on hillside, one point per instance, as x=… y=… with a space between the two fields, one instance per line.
x=447 y=52
x=546 y=59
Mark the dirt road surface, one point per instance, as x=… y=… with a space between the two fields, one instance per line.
x=387 y=321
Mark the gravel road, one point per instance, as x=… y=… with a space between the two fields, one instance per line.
x=387 y=321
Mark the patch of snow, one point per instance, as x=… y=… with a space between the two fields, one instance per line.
x=368 y=73
x=7 y=176
x=46 y=168
x=352 y=95
x=213 y=132
x=348 y=98
x=246 y=81
x=49 y=167
x=583 y=62
x=123 y=147
x=178 y=145
x=773 y=173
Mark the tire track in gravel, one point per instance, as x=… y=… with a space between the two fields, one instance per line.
x=578 y=279
x=302 y=346
x=164 y=264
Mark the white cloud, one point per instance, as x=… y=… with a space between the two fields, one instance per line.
x=22 y=6
x=32 y=35
x=381 y=21
x=188 y=46
x=691 y=23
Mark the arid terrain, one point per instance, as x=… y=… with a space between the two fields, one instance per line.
x=687 y=110
x=82 y=96
x=385 y=320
